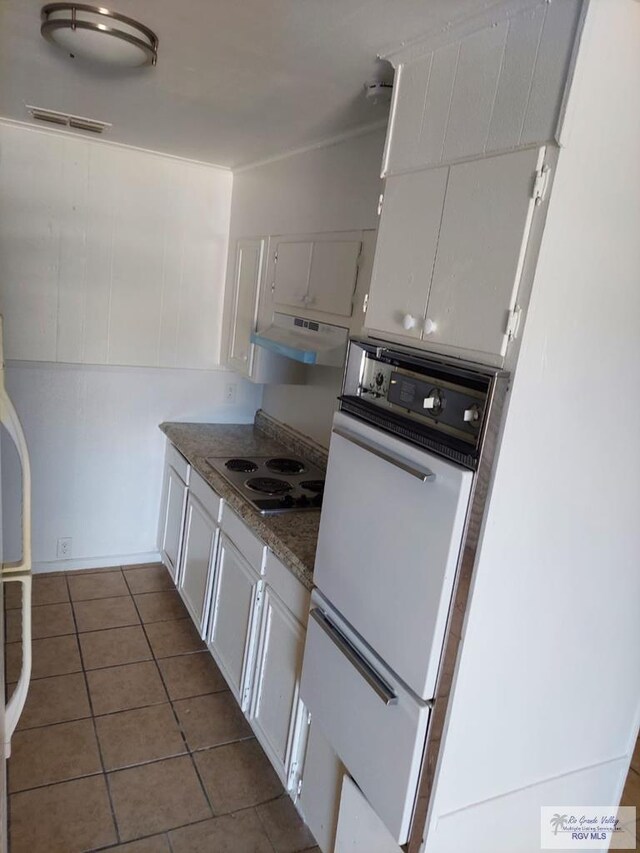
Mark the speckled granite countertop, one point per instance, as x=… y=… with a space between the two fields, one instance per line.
x=291 y=536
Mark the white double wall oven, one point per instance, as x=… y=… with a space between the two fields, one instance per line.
x=402 y=461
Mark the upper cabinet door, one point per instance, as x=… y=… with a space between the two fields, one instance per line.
x=405 y=252
x=485 y=228
x=316 y=274
x=249 y=257
x=333 y=274
x=293 y=266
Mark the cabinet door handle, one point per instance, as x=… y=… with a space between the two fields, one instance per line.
x=409 y=322
x=429 y=326
x=424 y=476
x=380 y=687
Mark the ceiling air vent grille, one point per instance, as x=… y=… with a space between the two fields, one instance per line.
x=67 y=120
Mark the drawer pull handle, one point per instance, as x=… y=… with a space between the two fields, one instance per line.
x=424 y=476
x=380 y=687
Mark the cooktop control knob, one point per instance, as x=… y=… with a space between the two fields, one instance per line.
x=434 y=402
x=472 y=415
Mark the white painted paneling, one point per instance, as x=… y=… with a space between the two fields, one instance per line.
x=552 y=64
x=412 y=79
x=435 y=114
x=494 y=89
x=479 y=68
x=110 y=255
x=554 y=607
x=512 y=96
x=29 y=238
x=97 y=453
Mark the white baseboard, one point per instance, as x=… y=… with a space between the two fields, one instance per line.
x=97 y=562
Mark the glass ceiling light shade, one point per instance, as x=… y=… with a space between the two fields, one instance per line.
x=95 y=33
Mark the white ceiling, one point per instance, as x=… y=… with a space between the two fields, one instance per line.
x=236 y=81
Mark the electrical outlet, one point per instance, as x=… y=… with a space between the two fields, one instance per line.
x=64 y=548
x=230 y=392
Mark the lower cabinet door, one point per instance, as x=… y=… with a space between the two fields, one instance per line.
x=173 y=503
x=236 y=602
x=198 y=556
x=276 y=683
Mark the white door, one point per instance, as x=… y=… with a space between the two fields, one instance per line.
x=485 y=229
x=292 y=268
x=388 y=545
x=174 y=501
x=333 y=274
x=235 y=610
x=321 y=784
x=249 y=259
x=276 y=681
x=200 y=539
x=359 y=827
x=405 y=252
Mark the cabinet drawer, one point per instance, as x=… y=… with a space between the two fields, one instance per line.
x=375 y=725
x=209 y=499
x=251 y=548
x=177 y=461
x=287 y=587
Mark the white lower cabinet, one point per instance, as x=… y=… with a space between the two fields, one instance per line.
x=198 y=555
x=277 y=683
x=172 y=509
x=237 y=594
x=252 y=612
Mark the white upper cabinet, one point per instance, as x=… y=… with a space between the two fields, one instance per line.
x=241 y=319
x=405 y=252
x=316 y=273
x=293 y=265
x=450 y=253
x=485 y=228
x=466 y=94
x=246 y=283
x=332 y=276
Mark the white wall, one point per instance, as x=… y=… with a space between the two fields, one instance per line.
x=109 y=255
x=326 y=189
x=97 y=453
x=546 y=701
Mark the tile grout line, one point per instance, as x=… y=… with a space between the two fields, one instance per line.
x=93 y=722
x=191 y=753
x=177 y=719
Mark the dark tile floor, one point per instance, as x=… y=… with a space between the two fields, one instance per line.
x=130 y=739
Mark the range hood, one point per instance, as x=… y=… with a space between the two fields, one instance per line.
x=304 y=340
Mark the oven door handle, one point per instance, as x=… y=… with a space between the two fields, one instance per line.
x=425 y=476
x=380 y=687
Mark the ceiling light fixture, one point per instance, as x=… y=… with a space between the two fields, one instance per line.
x=92 y=32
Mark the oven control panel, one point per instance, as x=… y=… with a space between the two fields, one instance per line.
x=434 y=400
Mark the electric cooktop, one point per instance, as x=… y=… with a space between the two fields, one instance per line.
x=273 y=484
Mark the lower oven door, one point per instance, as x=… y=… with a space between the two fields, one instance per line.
x=374 y=724
x=390 y=535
